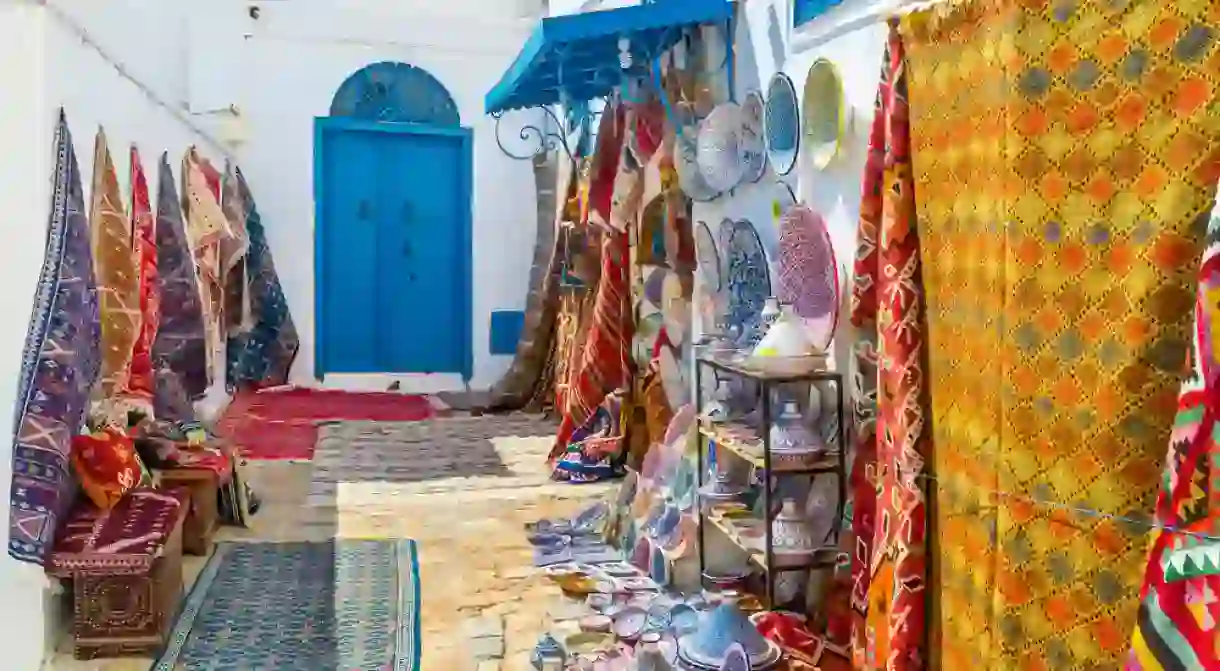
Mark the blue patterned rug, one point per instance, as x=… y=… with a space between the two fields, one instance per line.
x=320 y=606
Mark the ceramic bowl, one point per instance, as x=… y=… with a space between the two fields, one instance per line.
x=629 y=623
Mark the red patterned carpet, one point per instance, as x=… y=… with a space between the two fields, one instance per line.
x=283 y=424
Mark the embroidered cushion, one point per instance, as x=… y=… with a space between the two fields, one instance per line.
x=124 y=540
x=107 y=465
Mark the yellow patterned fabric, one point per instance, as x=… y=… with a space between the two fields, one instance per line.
x=1064 y=154
x=116 y=269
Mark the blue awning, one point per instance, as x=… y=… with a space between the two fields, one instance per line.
x=580 y=53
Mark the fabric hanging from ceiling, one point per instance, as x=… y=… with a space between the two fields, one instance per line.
x=888 y=556
x=59 y=365
x=1177 y=620
x=116 y=270
x=600 y=366
x=1064 y=161
x=181 y=343
x=261 y=352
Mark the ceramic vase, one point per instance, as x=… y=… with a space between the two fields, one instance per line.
x=793 y=444
x=790 y=534
x=548 y=655
x=717 y=410
x=770 y=313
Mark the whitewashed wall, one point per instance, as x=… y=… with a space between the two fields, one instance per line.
x=152 y=72
x=281 y=71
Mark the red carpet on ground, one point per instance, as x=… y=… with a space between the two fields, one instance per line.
x=283 y=424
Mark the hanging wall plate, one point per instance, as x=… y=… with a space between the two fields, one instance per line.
x=781 y=123
x=748 y=276
x=809 y=273
x=753 y=144
x=825 y=114
x=719 y=148
x=686 y=163
x=708 y=257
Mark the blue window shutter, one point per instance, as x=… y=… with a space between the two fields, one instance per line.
x=505 y=330
x=804 y=11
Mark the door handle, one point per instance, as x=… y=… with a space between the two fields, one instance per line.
x=410 y=277
x=408 y=212
x=406 y=249
x=365 y=210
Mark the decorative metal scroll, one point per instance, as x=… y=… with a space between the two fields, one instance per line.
x=395 y=93
x=542 y=131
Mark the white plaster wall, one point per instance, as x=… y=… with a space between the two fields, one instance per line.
x=45 y=65
x=28 y=606
x=764 y=45
x=281 y=70
x=296 y=56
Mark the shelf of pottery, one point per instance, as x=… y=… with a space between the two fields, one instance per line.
x=770 y=432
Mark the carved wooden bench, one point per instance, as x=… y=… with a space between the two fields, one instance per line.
x=125 y=566
x=203 y=473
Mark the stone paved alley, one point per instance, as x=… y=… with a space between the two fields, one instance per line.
x=481 y=597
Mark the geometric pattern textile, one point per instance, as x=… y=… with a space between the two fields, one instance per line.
x=261 y=352
x=59 y=365
x=338 y=604
x=117 y=271
x=140 y=381
x=1065 y=159
x=206 y=228
x=889 y=515
x=181 y=342
x=1177 y=622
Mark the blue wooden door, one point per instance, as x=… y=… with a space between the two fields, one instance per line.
x=395 y=258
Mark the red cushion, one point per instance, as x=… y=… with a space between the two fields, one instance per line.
x=124 y=540
x=106 y=464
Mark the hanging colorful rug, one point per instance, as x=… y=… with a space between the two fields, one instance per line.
x=1176 y=628
x=181 y=342
x=1065 y=162
x=888 y=554
x=261 y=353
x=58 y=366
x=116 y=269
x=338 y=604
x=140 y=381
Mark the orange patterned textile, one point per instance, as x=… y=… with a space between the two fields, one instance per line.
x=116 y=269
x=1065 y=157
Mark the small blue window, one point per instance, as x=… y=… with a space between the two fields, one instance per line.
x=804 y=11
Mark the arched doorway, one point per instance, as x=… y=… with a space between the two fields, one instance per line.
x=392 y=193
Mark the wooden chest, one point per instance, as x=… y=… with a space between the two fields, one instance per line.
x=203 y=517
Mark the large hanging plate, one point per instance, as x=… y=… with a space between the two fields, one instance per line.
x=752 y=144
x=719 y=147
x=781 y=123
x=708 y=257
x=825 y=113
x=686 y=164
x=748 y=278
x=809 y=273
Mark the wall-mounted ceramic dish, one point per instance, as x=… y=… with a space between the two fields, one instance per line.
x=752 y=142
x=825 y=113
x=719 y=148
x=782 y=124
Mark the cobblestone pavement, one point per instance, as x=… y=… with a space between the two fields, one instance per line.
x=481 y=596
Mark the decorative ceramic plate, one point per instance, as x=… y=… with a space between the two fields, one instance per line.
x=809 y=273
x=708 y=257
x=781 y=123
x=825 y=113
x=752 y=144
x=748 y=278
x=686 y=163
x=719 y=147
